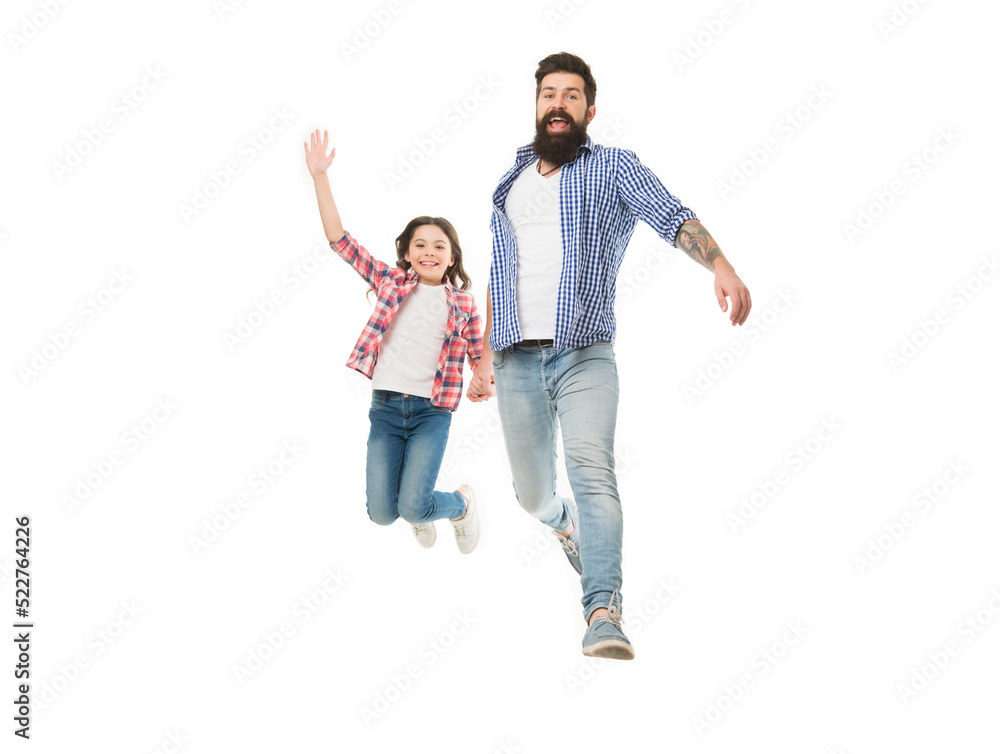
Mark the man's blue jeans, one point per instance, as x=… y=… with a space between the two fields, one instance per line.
x=405 y=448
x=538 y=387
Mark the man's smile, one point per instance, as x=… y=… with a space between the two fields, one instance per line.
x=557 y=122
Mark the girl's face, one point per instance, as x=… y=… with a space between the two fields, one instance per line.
x=429 y=254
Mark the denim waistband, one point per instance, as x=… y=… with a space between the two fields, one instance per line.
x=392 y=395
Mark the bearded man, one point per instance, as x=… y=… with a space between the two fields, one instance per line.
x=562 y=218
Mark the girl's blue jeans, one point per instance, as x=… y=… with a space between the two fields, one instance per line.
x=405 y=448
x=576 y=388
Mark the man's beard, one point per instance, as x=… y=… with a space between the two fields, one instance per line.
x=558 y=148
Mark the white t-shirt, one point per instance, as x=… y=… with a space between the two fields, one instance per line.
x=532 y=207
x=411 y=347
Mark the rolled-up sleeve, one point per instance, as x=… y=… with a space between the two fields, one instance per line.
x=648 y=199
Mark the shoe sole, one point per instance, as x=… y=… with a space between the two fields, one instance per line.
x=611 y=649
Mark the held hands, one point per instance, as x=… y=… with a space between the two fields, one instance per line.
x=316 y=159
x=728 y=283
x=481 y=386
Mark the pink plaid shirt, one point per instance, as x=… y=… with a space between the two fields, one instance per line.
x=463 y=333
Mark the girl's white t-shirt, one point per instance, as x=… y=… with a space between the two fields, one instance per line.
x=409 y=352
x=532 y=207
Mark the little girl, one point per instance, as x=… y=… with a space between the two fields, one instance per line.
x=413 y=349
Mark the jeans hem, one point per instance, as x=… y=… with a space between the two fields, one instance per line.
x=603 y=601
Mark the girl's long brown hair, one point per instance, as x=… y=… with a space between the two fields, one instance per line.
x=456 y=272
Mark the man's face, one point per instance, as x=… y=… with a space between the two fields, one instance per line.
x=561 y=96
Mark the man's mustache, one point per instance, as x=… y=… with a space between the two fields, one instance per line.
x=549 y=117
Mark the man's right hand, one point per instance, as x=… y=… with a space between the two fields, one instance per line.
x=481 y=386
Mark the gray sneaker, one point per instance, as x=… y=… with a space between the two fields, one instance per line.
x=571 y=544
x=426 y=534
x=467 y=527
x=604 y=637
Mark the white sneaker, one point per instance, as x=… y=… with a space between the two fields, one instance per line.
x=426 y=534
x=467 y=527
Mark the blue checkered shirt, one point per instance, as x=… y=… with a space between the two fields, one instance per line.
x=602 y=194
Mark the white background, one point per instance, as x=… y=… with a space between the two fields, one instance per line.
x=382 y=78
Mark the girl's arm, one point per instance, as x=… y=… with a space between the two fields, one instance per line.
x=481 y=386
x=332 y=224
x=473 y=336
x=369 y=268
x=317 y=161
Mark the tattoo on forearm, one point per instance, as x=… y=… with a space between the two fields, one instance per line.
x=698 y=243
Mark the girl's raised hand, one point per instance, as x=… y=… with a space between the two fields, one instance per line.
x=316 y=157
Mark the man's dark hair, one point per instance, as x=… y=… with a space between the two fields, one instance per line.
x=567 y=62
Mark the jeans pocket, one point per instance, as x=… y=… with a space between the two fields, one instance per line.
x=500 y=358
x=604 y=347
x=378 y=400
x=432 y=409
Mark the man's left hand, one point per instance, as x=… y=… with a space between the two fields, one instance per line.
x=728 y=283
